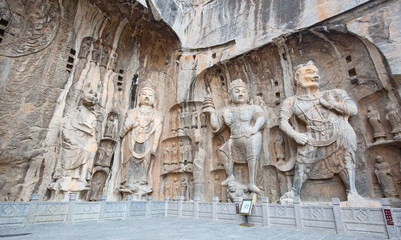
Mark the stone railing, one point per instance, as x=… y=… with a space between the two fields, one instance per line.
x=333 y=219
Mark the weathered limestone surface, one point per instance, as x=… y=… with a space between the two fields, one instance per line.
x=57 y=141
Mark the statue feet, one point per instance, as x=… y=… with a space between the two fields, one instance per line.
x=228 y=180
x=253 y=188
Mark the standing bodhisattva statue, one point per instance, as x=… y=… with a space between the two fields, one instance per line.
x=245 y=122
x=141 y=133
x=328 y=146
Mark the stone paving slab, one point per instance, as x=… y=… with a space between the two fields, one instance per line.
x=162 y=228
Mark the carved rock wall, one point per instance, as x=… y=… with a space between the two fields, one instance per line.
x=83 y=45
x=50 y=55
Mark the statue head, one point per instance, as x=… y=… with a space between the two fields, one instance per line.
x=379 y=159
x=389 y=107
x=96 y=52
x=85 y=47
x=89 y=98
x=307 y=75
x=238 y=92
x=112 y=116
x=278 y=138
x=232 y=187
x=147 y=94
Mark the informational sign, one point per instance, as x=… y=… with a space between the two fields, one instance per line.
x=246 y=207
x=389 y=218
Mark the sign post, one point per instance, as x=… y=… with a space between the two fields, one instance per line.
x=246 y=210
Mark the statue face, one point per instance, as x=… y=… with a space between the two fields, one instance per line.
x=239 y=94
x=308 y=77
x=231 y=187
x=89 y=98
x=147 y=97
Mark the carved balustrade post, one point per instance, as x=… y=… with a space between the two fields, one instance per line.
x=180 y=200
x=32 y=209
x=166 y=200
x=196 y=207
x=148 y=206
x=390 y=227
x=128 y=207
x=338 y=219
x=238 y=217
x=102 y=207
x=71 y=208
x=215 y=200
x=297 y=213
x=265 y=212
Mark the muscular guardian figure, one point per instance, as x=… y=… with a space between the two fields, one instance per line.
x=328 y=145
x=245 y=122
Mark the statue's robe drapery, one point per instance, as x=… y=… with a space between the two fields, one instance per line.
x=143 y=133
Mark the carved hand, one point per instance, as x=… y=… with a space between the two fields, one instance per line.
x=327 y=100
x=208 y=106
x=301 y=138
x=253 y=130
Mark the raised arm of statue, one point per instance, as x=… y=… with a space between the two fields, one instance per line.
x=209 y=109
x=285 y=114
x=339 y=101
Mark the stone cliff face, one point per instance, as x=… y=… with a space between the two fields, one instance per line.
x=51 y=58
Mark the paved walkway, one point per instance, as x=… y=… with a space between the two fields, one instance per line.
x=161 y=228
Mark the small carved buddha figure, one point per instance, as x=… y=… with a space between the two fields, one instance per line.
x=110 y=126
x=245 y=122
x=174 y=154
x=279 y=148
x=194 y=118
x=166 y=155
x=96 y=52
x=373 y=117
x=85 y=48
x=173 y=122
x=394 y=118
x=113 y=62
x=385 y=178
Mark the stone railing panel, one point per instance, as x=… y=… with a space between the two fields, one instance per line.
x=53 y=212
x=157 y=208
x=115 y=210
x=257 y=215
x=281 y=215
x=172 y=210
x=86 y=211
x=188 y=209
x=319 y=218
x=13 y=214
x=138 y=209
x=366 y=221
x=226 y=212
x=205 y=210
